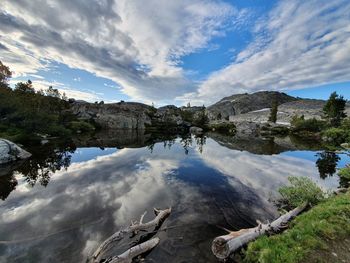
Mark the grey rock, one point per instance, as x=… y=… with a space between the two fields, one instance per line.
x=247 y=128
x=10 y=152
x=123 y=115
x=169 y=114
x=196 y=130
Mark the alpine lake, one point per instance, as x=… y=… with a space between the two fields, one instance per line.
x=59 y=205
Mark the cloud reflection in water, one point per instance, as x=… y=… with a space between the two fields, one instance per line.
x=89 y=201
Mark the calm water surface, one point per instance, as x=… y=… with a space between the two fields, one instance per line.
x=69 y=197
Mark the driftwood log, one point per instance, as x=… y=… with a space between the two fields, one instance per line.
x=135 y=251
x=224 y=246
x=134 y=228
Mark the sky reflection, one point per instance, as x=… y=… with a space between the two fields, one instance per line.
x=101 y=190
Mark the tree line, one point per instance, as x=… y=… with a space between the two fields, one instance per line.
x=26 y=115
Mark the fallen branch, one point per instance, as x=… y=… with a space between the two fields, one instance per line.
x=224 y=246
x=135 y=251
x=340 y=191
x=134 y=228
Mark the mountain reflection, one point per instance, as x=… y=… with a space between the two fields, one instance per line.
x=53 y=157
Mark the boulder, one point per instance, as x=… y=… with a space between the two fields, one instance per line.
x=10 y=152
x=246 y=128
x=345 y=145
x=196 y=130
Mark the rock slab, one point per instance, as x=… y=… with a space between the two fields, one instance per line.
x=10 y=152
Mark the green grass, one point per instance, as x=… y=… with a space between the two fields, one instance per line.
x=309 y=232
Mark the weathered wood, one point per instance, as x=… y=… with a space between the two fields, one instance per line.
x=135 y=251
x=134 y=228
x=340 y=191
x=224 y=246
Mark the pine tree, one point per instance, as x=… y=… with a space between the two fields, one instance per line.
x=334 y=109
x=273 y=112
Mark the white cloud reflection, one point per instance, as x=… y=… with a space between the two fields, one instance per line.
x=94 y=198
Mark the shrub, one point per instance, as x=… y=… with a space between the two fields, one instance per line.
x=201 y=119
x=335 y=135
x=187 y=115
x=225 y=128
x=345 y=172
x=81 y=126
x=59 y=131
x=311 y=125
x=346 y=124
x=344 y=177
x=277 y=130
x=301 y=190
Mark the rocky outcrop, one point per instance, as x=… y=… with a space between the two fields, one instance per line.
x=134 y=116
x=243 y=103
x=122 y=115
x=10 y=152
x=169 y=114
x=308 y=107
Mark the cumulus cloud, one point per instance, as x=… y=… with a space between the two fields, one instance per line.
x=299 y=44
x=137 y=45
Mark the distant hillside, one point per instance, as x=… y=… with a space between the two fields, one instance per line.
x=243 y=103
x=256 y=108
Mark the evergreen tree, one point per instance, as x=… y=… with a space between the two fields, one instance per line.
x=5 y=74
x=273 y=112
x=334 y=109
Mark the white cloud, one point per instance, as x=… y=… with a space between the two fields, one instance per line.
x=137 y=45
x=299 y=44
x=140 y=46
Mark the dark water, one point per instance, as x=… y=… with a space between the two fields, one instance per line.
x=63 y=202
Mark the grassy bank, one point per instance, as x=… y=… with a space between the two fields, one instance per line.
x=312 y=237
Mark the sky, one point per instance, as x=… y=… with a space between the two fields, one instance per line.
x=175 y=52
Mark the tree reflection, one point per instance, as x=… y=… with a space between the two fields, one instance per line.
x=7 y=185
x=200 y=141
x=327 y=163
x=186 y=141
x=45 y=161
